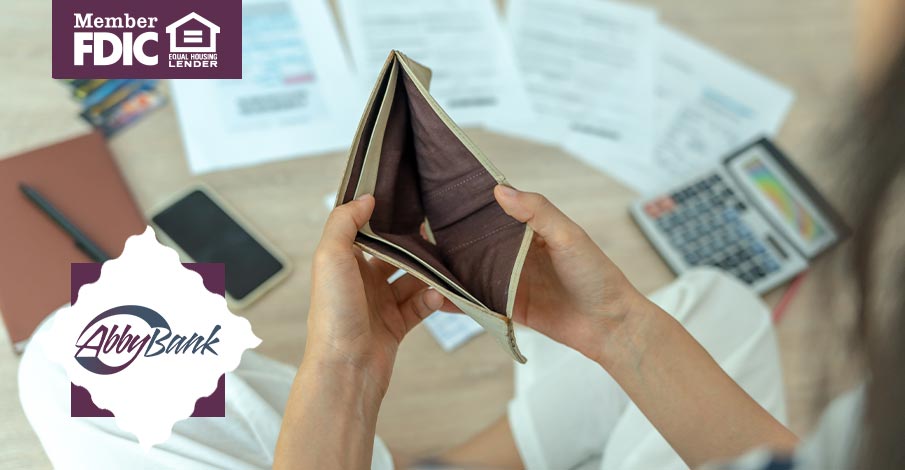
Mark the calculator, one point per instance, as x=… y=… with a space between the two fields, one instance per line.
x=754 y=215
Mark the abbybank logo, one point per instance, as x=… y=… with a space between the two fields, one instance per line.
x=147 y=39
x=115 y=339
x=148 y=339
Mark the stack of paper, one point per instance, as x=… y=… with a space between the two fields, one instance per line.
x=589 y=66
x=707 y=105
x=603 y=79
x=293 y=98
x=473 y=78
x=632 y=97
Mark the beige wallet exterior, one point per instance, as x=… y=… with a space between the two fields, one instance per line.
x=428 y=178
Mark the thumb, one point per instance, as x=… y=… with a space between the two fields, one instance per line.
x=557 y=229
x=344 y=222
x=420 y=305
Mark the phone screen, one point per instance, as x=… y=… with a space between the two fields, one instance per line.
x=205 y=232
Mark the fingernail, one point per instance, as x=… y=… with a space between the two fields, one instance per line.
x=433 y=299
x=362 y=197
x=508 y=191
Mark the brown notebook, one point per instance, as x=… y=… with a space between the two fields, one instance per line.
x=422 y=169
x=80 y=178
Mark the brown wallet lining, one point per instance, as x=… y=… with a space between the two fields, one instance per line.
x=425 y=172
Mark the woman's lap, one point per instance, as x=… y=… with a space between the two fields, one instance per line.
x=256 y=394
x=568 y=412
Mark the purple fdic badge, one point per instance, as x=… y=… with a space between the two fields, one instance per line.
x=147 y=39
x=213 y=405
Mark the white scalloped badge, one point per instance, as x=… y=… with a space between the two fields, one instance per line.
x=148 y=339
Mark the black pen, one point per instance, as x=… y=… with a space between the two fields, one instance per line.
x=81 y=240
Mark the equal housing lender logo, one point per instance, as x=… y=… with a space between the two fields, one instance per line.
x=147 y=39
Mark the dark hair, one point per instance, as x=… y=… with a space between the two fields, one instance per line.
x=876 y=172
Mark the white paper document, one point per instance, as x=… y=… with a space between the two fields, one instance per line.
x=588 y=67
x=293 y=98
x=706 y=106
x=451 y=330
x=474 y=77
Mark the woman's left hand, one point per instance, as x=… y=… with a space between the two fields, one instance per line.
x=355 y=324
x=356 y=316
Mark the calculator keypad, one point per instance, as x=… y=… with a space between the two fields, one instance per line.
x=703 y=222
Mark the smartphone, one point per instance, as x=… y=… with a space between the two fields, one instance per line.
x=203 y=229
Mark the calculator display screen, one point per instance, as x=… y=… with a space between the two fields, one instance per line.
x=783 y=202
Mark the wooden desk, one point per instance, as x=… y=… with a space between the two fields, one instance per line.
x=438 y=399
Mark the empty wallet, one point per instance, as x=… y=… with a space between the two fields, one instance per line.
x=424 y=171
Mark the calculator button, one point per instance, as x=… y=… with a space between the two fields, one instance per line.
x=660 y=206
x=704 y=225
x=667 y=204
x=652 y=210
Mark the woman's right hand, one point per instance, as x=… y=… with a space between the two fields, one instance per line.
x=569 y=290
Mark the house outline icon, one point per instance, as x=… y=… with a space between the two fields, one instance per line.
x=192 y=35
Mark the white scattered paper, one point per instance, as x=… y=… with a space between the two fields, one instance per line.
x=707 y=106
x=588 y=68
x=293 y=99
x=474 y=78
x=452 y=330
